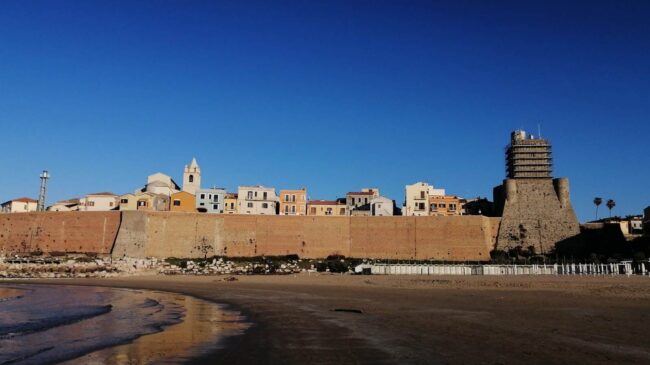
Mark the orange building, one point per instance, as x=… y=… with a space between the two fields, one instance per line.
x=293 y=202
x=182 y=202
x=445 y=205
x=327 y=208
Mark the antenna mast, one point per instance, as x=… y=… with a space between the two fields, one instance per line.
x=41 y=195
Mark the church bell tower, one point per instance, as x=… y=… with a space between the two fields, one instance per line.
x=192 y=177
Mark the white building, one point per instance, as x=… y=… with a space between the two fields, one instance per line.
x=210 y=200
x=69 y=205
x=417 y=198
x=98 y=202
x=257 y=200
x=192 y=177
x=381 y=206
x=160 y=183
x=20 y=205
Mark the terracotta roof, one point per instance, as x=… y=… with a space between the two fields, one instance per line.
x=103 y=193
x=24 y=200
x=361 y=193
x=323 y=202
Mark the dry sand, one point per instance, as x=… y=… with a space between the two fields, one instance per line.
x=424 y=319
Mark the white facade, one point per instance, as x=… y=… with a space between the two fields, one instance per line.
x=417 y=198
x=20 y=205
x=192 y=177
x=257 y=200
x=98 y=202
x=160 y=183
x=381 y=207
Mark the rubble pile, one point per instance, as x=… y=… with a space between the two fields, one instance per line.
x=221 y=267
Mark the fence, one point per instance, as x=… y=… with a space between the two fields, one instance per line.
x=622 y=268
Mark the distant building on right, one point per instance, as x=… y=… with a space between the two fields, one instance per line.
x=536 y=209
x=646 y=221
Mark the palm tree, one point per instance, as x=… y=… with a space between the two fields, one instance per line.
x=610 y=205
x=598 y=201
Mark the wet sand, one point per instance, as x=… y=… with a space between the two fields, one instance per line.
x=423 y=319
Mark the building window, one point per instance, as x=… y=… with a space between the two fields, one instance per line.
x=124 y=201
x=313 y=211
x=216 y=198
x=286 y=197
x=293 y=209
x=202 y=196
x=265 y=205
x=191 y=178
x=177 y=203
x=215 y=206
x=452 y=207
x=422 y=195
x=265 y=194
x=342 y=211
x=142 y=203
x=110 y=204
x=202 y=204
x=250 y=195
x=328 y=211
x=293 y=198
x=250 y=205
x=286 y=209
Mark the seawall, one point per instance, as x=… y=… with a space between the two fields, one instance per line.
x=166 y=234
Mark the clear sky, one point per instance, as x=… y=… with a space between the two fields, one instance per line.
x=332 y=96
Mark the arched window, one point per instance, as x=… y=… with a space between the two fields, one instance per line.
x=191 y=178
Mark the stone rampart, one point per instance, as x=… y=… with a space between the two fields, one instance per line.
x=172 y=234
x=65 y=232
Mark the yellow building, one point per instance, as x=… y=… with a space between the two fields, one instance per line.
x=326 y=208
x=293 y=202
x=230 y=203
x=183 y=202
x=445 y=205
x=144 y=201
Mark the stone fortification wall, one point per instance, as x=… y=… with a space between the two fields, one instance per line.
x=66 y=232
x=536 y=212
x=163 y=234
x=170 y=234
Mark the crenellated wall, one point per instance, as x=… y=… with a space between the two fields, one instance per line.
x=171 y=234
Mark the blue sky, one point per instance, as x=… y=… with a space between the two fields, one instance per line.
x=333 y=96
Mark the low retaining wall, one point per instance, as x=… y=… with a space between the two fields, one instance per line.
x=171 y=234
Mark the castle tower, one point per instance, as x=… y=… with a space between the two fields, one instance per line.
x=535 y=208
x=192 y=177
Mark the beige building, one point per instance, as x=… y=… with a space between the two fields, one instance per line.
x=336 y=208
x=257 y=200
x=69 y=205
x=144 y=201
x=98 y=202
x=293 y=202
x=445 y=205
x=230 y=203
x=20 y=205
x=417 y=199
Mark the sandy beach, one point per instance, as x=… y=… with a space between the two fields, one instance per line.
x=315 y=318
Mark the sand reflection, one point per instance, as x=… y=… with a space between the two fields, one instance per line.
x=203 y=327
